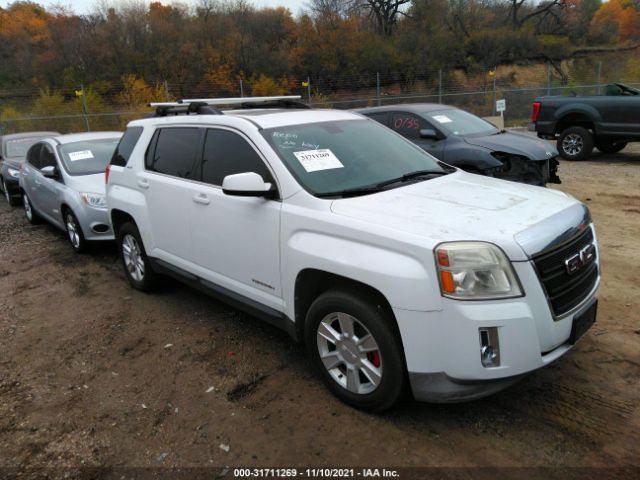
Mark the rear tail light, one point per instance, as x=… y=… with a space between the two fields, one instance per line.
x=106 y=174
x=536 y=112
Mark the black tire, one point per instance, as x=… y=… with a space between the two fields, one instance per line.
x=575 y=143
x=14 y=202
x=74 y=231
x=606 y=146
x=388 y=362
x=145 y=280
x=29 y=212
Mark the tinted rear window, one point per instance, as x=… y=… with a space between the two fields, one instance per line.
x=125 y=147
x=175 y=152
x=381 y=117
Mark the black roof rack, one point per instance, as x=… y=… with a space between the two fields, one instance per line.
x=292 y=104
x=204 y=106
x=195 y=108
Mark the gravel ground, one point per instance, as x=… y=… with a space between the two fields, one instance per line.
x=95 y=374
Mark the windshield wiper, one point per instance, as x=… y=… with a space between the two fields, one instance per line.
x=351 y=192
x=411 y=176
x=378 y=187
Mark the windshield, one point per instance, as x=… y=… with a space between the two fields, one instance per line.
x=331 y=157
x=89 y=157
x=459 y=122
x=18 y=147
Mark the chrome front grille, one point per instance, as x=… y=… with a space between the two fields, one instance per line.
x=567 y=290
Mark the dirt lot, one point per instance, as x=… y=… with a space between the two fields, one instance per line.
x=93 y=373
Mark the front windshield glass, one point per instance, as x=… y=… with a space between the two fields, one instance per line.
x=17 y=147
x=329 y=157
x=459 y=122
x=89 y=157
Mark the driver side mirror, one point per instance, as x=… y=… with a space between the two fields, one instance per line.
x=428 y=133
x=50 y=172
x=248 y=184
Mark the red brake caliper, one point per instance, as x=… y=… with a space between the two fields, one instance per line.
x=374 y=357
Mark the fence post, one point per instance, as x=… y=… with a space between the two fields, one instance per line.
x=378 y=87
x=241 y=89
x=85 y=112
x=309 y=89
x=440 y=86
x=599 y=72
x=495 y=93
x=548 y=79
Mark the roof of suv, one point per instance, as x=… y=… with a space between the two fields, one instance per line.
x=263 y=118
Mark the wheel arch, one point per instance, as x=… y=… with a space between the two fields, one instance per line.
x=575 y=119
x=119 y=218
x=311 y=283
x=66 y=207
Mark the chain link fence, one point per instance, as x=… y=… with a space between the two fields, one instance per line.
x=72 y=110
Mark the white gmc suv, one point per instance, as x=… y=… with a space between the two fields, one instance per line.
x=395 y=269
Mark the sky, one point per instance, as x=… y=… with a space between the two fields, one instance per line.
x=84 y=6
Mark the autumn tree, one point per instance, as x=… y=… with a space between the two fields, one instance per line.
x=615 y=21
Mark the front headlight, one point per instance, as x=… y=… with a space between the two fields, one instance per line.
x=475 y=271
x=94 y=200
x=14 y=173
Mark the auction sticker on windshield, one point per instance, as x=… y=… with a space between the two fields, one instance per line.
x=316 y=160
x=442 y=119
x=81 y=155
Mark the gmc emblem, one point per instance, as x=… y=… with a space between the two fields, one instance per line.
x=580 y=259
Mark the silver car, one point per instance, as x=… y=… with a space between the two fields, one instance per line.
x=13 y=148
x=62 y=181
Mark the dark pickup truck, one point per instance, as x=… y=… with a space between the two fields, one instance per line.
x=608 y=121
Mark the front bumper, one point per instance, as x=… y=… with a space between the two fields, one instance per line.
x=442 y=348
x=440 y=388
x=95 y=223
x=532 y=172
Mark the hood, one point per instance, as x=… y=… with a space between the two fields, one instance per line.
x=515 y=143
x=87 y=183
x=465 y=207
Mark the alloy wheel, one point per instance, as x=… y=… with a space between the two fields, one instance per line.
x=73 y=230
x=572 y=144
x=132 y=255
x=350 y=353
x=27 y=207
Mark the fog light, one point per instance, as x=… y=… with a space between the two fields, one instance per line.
x=100 y=228
x=489 y=347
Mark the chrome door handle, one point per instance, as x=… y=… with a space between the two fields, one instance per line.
x=201 y=199
x=143 y=184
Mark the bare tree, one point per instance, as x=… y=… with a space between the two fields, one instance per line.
x=330 y=12
x=384 y=12
x=338 y=8
x=546 y=9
